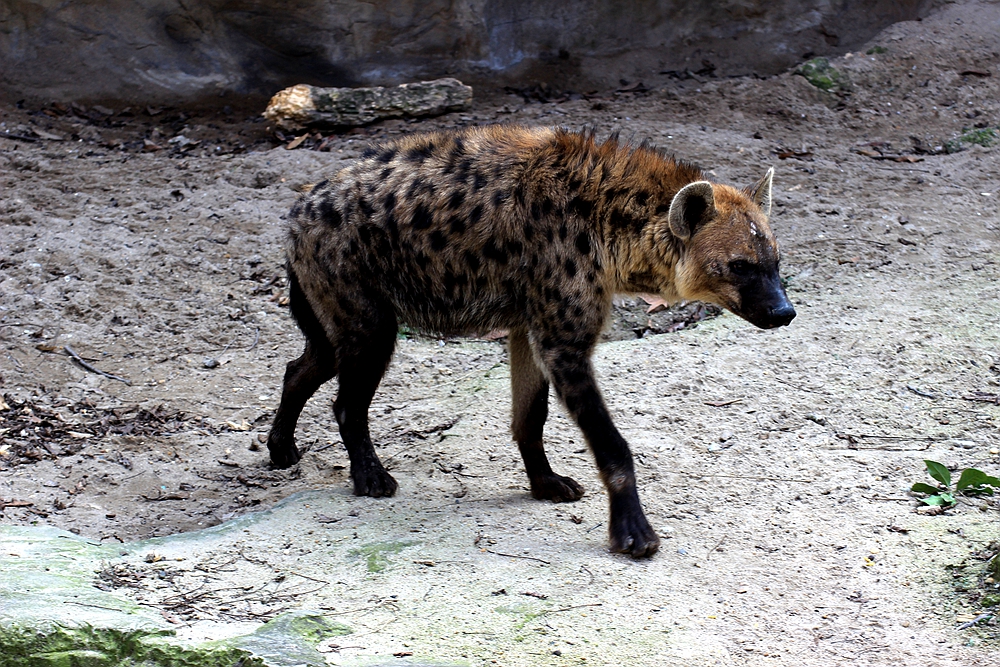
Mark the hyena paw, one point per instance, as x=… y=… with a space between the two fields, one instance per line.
x=374 y=482
x=556 y=488
x=283 y=455
x=631 y=534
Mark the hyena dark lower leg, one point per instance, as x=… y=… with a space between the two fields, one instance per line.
x=303 y=377
x=363 y=357
x=530 y=399
x=573 y=378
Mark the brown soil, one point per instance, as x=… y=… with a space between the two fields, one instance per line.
x=148 y=242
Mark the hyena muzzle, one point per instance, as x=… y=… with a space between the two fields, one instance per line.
x=530 y=230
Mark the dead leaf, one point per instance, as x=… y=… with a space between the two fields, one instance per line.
x=15 y=503
x=296 y=142
x=42 y=134
x=80 y=436
x=637 y=87
x=45 y=347
x=798 y=155
x=976 y=72
x=170 y=618
x=150 y=147
x=868 y=153
x=655 y=303
x=906 y=158
x=244 y=425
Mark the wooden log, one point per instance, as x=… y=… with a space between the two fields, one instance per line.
x=303 y=106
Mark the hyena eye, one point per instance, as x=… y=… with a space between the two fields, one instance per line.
x=740 y=267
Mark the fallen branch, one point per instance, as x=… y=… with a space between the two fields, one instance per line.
x=756 y=478
x=846 y=240
x=983 y=397
x=920 y=392
x=576 y=606
x=977 y=619
x=722 y=404
x=76 y=357
x=256 y=339
x=302 y=105
x=500 y=553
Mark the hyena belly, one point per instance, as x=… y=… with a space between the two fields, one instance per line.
x=531 y=230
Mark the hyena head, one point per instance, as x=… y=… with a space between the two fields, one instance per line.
x=728 y=255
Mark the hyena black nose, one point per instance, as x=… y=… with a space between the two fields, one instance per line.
x=781 y=315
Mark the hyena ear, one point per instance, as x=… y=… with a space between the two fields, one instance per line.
x=760 y=193
x=693 y=205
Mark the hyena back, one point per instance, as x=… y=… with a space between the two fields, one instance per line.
x=530 y=230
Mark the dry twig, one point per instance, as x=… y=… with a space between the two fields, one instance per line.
x=76 y=357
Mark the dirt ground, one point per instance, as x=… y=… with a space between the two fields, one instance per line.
x=147 y=243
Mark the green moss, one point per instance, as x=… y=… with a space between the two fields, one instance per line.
x=876 y=50
x=374 y=554
x=290 y=640
x=87 y=646
x=526 y=615
x=820 y=73
x=310 y=628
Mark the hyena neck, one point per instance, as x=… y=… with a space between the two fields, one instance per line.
x=625 y=191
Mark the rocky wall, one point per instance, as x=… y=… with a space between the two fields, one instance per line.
x=156 y=51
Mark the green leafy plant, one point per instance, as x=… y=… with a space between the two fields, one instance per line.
x=984 y=137
x=971 y=482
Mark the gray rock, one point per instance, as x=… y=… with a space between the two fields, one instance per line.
x=302 y=105
x=169 y=52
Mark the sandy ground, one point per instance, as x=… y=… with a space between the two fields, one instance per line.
x=775 y=464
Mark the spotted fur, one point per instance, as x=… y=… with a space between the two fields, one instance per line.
x=527 y=229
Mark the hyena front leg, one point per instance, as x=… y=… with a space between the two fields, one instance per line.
x=573 y=378
x=530 y=400
x=363 y=354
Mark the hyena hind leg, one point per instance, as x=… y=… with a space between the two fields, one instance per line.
x=362 y=363
x=303 y=376
x=530 y=400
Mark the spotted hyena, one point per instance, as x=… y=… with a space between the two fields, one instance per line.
x=527 y=229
